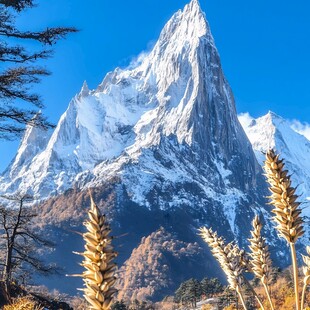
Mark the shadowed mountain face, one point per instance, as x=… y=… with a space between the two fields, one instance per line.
x=176 y=105
x=161 y=146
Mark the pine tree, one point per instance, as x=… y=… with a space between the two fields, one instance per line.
x=180 y=293
x=189 y=292
x=193 y=291
x=211 y=287
x=119 y=305
x=18 y=105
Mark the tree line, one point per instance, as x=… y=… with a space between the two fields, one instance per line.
x=193 y=290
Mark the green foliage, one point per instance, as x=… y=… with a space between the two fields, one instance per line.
x=134 y=305
x=211 y=287
x=119 y=305
x=141 y=305
x=193 y=291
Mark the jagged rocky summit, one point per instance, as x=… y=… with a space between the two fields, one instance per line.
x=160 y=145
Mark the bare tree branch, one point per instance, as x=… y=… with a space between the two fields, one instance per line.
x=20 y=243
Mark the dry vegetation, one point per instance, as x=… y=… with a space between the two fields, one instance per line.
x=267 y=291
x=23 y=303
x=99 y=276
x=289 y=224
x=147 y=270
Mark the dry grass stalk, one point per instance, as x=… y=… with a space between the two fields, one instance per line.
x=260 y=257
x=99 y=276
x=283 y=198
x=287 y=216
x=230 y=258
x=287 y=213
x=306 y=272
x=23 y=303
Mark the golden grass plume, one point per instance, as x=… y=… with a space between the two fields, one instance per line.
x=230 y=258
x=23 y=303
x=287 y=213
x=99 y=275
x=260 y=257
x=289 y=224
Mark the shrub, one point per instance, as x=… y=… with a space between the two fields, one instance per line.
x=23 y=303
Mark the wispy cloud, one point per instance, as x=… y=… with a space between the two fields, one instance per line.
x=301 y=127
x=137 y=61
x=245 y=119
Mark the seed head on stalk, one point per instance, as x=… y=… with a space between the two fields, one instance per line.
x=233 y=261
x=287 y=213
x=260 y=257
x=99 y=275
x=229 y=256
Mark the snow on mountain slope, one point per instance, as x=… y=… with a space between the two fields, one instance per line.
x=34 y=141
x=167 y=128
x=160 y=144
x=272 y=131
x=193 y=124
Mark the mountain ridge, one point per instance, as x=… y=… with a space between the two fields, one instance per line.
x=158 y=144
x=179 y=78
x=273 y=131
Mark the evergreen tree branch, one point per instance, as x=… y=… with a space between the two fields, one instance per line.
x=49 y=36
x=18 y=5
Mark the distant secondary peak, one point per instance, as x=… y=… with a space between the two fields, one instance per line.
x=273 y=117
x=84 y=90
x=272 y=114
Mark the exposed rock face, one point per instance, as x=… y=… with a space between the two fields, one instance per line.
x=176 y=101
x=160 y=145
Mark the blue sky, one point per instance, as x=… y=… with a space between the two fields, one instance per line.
x=264 y=48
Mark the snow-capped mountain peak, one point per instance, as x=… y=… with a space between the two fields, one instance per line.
x=84 y=90
x=33 y=142
x=166 y=121
x=189 y=24
x=273 y=131
x=158 y=142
